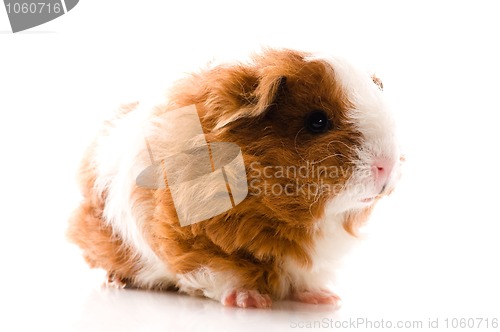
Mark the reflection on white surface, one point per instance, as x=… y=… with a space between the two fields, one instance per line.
x=132 y=310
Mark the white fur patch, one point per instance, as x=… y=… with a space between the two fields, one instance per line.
x=121 y=155
x=204 y=281
x=327 y=255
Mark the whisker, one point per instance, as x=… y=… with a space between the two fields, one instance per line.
x=295 y=144
x=327 y=157
x=337 y=141
x=317 y=196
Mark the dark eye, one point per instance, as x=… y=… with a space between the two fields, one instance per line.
x=317 y=122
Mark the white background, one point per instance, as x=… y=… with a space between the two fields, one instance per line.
x=432 y=248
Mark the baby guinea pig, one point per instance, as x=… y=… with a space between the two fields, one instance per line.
x=318 y=149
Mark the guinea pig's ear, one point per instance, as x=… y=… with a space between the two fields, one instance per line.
x=256 y=96
x=268 y=93
x=378 y=82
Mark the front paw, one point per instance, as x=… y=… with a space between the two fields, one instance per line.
x=114 y=281
x=246 y=299
x=322 y=296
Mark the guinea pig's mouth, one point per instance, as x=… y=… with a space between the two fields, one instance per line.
x=367 y=200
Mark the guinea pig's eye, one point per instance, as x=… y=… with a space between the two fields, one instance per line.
x=317 y=122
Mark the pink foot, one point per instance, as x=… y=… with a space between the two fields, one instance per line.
x=322 y=296
x=246 y=299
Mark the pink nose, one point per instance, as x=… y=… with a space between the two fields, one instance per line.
x=381 y=170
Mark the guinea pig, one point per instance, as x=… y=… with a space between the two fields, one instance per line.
x=318 y=148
